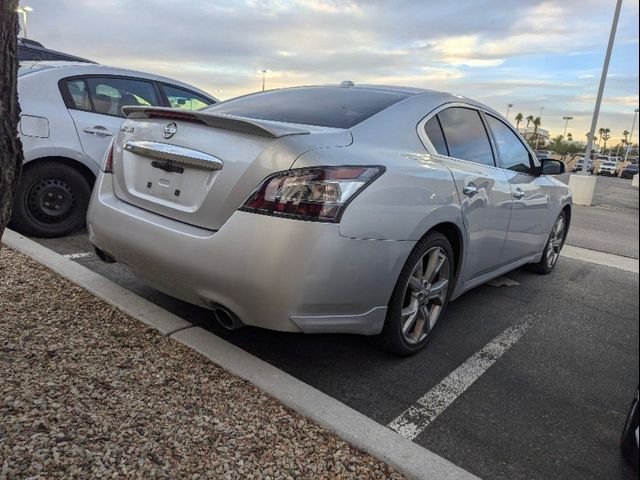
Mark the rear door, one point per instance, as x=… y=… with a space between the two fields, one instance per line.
x=459 y=133
x=531 y=215
x=95 y=104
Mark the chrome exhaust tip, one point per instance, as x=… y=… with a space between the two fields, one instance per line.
x=226 y=318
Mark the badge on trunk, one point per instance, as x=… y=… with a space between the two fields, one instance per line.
x=170 y=130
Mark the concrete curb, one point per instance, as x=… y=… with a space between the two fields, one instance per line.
x=349 y=424
x=352 y=426
x=133 y=305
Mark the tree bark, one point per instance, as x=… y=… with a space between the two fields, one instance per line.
x=10 y=146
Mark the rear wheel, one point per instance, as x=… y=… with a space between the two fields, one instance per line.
x=628 y=443
x=553 y=247
x=51 y=200
x=420 y=296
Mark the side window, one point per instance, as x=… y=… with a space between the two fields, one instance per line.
x=465 y=135
x=434 y=132
x=513 y=154
x=109 y=94
x=183 y=99
x=78 y=95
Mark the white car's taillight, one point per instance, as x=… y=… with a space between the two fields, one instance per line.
x=317 y=193
x=108 y=160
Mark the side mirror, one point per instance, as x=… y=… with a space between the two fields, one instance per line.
x=552 y=167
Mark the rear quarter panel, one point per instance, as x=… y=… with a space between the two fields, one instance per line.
x=415 y=193
x=39 y=96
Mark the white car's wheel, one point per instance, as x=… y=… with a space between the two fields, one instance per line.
x=51 y=200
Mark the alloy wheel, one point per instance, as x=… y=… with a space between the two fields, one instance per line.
x=555 y=242
x=425 y=295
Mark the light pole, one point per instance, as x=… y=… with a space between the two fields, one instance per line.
x=24 y=11
x=566 y=122
x=603 y=79
x=264 y=74
x=509 y=107
x=538 y=134
x=633 y=126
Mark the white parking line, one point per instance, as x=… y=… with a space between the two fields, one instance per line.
x=601 y=258
x=418 y=417
x=75 y=256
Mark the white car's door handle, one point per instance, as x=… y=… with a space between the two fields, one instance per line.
x=518 y=194
x=98 y=130
x=470 y=190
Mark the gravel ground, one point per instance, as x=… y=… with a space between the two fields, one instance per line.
x=86 y=391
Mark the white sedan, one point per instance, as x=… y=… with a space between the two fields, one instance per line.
x=70 y=112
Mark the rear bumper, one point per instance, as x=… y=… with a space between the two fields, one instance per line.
x=271 y=272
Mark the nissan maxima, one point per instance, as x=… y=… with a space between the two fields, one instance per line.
x=330 y=209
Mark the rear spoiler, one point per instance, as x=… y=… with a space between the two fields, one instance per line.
x=251 y=126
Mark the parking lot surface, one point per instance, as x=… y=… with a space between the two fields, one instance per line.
x=531 y=376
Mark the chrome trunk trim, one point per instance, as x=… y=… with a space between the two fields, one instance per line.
x=174 y=153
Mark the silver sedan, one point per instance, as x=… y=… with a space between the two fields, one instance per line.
x=333 y=209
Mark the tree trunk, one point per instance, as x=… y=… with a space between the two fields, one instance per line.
x=10 y=145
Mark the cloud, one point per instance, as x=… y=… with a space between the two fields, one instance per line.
x=523 y=51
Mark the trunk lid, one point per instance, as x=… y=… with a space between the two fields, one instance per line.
x=199 y=168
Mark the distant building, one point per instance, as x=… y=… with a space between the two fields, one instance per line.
x=529 y=133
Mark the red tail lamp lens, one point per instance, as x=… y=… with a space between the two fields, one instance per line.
x=108 y=161
x=316 y=194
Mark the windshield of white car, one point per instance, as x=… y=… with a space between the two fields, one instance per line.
x=609 y=164
x=336 y=107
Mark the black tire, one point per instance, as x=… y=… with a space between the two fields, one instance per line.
x=628 y=445
x=392 y=338
x=51 y=200
x=543 y=267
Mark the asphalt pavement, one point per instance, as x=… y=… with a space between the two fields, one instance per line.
x=551 y=405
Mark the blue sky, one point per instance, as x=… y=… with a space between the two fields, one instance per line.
x=527 y=52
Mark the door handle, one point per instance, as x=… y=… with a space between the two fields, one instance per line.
x=470 y=190
x=98 y=130
x=518 y=194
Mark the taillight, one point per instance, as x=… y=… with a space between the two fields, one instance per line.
x=108 y=160
x=317 y=193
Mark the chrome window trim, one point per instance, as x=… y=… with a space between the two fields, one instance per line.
x=174 y=153
x=426 y=142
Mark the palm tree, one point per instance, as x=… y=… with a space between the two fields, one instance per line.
x=569 y=137
x=600 y=133
x=536 y=123
x=606 y=135
x=625 y=134
x=529 y=119
x=10 y=146
x=519 y=118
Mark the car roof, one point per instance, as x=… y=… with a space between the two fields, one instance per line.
x=439 y=97
x=34 y=46
x=63 y=69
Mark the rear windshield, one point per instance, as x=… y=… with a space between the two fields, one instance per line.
x=338 y=107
